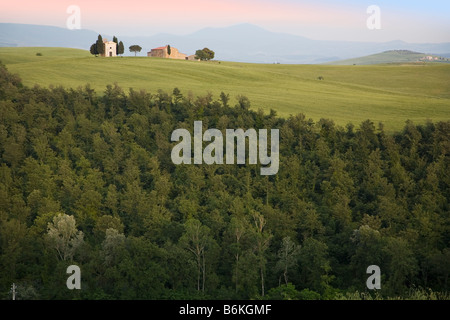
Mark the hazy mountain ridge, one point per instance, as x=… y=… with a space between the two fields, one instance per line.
x=241 y=43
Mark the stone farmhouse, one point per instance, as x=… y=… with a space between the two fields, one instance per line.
x=162 y=52
x=110 y=48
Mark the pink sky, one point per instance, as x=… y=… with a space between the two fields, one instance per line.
x=161 y=12
x=314 y=19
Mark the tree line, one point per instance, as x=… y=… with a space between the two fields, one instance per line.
x=87 y=179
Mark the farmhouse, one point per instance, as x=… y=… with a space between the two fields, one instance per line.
x=110 y=48
x=163 y=52
x=192 y=57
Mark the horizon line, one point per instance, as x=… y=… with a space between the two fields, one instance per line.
x=229 y=26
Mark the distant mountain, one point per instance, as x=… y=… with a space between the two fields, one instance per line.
x=28 y=35
x=243 y=43
x=393 y=56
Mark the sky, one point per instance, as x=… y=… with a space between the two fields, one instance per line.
x=410 y=21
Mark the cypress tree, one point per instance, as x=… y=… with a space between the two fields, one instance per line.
x=120 y=48
x=116 y=41
x=99 y=45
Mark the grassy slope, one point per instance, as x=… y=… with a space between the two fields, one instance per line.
x=388 y=93
x=385 y=57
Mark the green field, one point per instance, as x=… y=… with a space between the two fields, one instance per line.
x=391 y=94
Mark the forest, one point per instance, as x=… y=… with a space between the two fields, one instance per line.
x=87 y=179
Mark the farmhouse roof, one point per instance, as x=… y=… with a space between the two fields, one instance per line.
x=159 y=48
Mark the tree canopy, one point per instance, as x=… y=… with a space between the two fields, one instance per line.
x=204 y=54
x=87 y=179
x=135 y=48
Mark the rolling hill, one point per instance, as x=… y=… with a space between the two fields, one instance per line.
x=382 y=93
x=393 y=56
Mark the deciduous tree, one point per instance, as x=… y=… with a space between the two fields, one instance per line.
x=288 y=257
x=64 y=236
x=204 y=54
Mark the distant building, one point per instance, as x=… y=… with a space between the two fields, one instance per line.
x=110 y=48
x=162 y=52
x=192 y=58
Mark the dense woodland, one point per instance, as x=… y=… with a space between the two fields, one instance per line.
x=87 y=179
